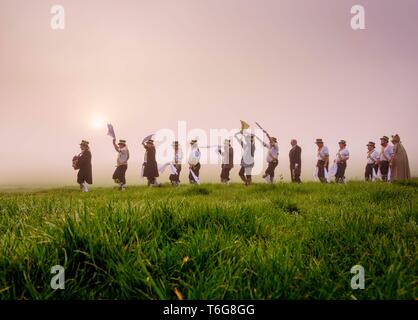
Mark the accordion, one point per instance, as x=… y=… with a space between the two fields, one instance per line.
x=75 y=163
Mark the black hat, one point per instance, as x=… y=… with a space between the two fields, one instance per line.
x=319 y=141
x=385 y=138
x=371 y=144
x=342 y=142
x=122 y=142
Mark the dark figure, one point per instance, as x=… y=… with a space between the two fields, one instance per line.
x=295 y=157
x=372 y=159
x=82 y=163
x=150 y=164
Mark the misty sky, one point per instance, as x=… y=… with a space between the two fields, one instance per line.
x=294 y=66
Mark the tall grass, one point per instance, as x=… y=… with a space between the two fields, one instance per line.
x=279 y=241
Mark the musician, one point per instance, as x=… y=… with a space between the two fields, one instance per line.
x=82 y=163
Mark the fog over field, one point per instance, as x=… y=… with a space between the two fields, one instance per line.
x=295 y=66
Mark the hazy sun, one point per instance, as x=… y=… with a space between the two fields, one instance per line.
x=97 y=122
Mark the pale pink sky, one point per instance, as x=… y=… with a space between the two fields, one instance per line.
x=295 y=66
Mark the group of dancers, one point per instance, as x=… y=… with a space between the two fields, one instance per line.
x=388 y=164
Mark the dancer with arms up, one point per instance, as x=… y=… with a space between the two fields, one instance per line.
x=121 y=163
x=247 y=160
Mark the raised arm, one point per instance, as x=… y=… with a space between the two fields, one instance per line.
x=262 y=142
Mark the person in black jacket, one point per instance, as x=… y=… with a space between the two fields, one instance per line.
x=295 y=161
x=82 y=163
x=150 y=164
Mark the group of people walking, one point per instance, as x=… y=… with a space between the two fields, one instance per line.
x=388 y=164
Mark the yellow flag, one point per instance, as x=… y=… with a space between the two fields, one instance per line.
x=244 y=125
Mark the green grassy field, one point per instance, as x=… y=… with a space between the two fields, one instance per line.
x=280 y=241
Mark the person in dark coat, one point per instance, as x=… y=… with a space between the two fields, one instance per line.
x=295 y=157
x=150 y=164
x=82 y=163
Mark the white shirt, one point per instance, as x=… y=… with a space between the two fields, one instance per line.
x=123 y=156
x=323 y=153
x=273 y=152
x=194 y=156
x=372 y=156
x=386 y=153
x=343 y=155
